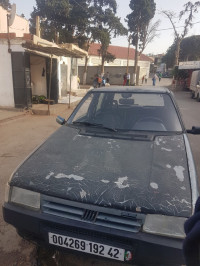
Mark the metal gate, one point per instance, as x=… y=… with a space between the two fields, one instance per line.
x=21 y=79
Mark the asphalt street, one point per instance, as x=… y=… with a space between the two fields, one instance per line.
x=18 y=138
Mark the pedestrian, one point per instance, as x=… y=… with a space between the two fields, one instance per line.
x=128 y=76
x=103 y=81
x=99 y=81
x=78 y=81
x=160 y=76
x=145 y=78
x=125 y=79
x=107 y=77
x=154 y=79
x=142 y=79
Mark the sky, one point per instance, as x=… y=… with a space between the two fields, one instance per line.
x=159 y=44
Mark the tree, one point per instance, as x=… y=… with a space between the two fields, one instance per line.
x=168 y=58
x=5 y=4
x=109 y=26
x=138 y=22
x=186 y=53
x=189 y=9
x=80 y=21
x=67 y=17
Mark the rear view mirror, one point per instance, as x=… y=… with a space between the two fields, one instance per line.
x=194 y=131
x=126 y=101
x=60 y=120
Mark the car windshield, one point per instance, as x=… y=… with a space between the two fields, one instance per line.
x=127 y=111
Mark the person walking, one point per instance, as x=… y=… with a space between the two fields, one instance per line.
x=103 y=81
x=145 y=78
x=125 y=79
x=78 y=82
x=107 y=77
x=142 y=79
x=128 y=77
x=99 y=81
x=160 y=76
x=154 y=79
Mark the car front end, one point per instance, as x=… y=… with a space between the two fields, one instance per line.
x=117 y=180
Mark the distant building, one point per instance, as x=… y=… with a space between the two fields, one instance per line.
x=117 y=68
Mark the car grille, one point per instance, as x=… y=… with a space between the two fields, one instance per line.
x=130 y=223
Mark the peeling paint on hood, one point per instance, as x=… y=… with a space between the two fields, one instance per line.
x=88 y=170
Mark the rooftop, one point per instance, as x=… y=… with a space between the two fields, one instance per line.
x=117 y=51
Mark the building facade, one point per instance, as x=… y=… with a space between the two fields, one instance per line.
x=118 y=67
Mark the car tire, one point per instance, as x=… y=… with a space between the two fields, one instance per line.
x=192 y=95
x=198 y=97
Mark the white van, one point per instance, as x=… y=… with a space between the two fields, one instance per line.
x=194 y=85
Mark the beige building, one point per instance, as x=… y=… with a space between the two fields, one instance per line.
x=19 y=26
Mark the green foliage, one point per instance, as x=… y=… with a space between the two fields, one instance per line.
x=5 y=4
x=138 y=20
x=168 y=58
x=190 y=48
x=80 y=21
x=189 y=51
x=68 y=17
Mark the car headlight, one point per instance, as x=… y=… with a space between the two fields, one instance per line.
x=169 y=226
x=25 y=198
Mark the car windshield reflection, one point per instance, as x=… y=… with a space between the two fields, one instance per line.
x=127 y=111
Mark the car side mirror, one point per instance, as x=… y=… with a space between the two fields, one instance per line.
x=194 y=131
x=60 y=120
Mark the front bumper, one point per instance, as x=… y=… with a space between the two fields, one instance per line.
x=146 y=248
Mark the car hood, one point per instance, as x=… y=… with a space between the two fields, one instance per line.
x=147 y=176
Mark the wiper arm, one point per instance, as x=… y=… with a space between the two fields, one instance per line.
x=85 y=123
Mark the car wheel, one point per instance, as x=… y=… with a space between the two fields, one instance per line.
x=198 y=97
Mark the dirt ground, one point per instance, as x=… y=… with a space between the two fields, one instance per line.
x=18 y=137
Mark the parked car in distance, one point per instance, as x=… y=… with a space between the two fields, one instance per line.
x=116 y=180
x=195 y=85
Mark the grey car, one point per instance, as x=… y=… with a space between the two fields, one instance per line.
x=116 y=180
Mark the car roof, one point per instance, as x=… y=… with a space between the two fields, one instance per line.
x=133 y=89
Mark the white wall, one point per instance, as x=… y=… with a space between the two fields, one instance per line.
x=96 y=61
x=6 y=79
x=38 y=82
x=64 y=87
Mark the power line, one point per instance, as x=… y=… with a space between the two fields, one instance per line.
x=178 y=27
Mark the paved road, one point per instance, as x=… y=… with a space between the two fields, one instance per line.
x=190 y=110
x=18 y=138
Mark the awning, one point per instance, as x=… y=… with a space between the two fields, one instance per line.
x=53 y=50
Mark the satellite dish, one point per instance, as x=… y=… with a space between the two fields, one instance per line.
x=11 y=17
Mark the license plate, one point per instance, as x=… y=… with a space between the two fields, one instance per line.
x=87 y=246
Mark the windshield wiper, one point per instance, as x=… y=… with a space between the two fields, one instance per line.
x=85 y=123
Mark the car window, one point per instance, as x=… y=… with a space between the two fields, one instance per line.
x=141 y=99
x=84 y=108
x=130 y=111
